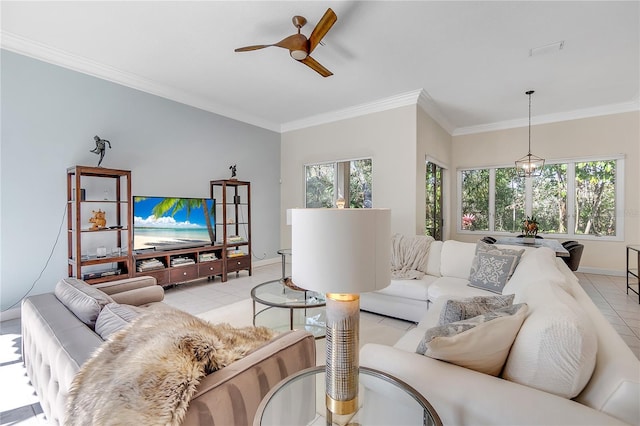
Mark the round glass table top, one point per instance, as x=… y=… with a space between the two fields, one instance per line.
x=276 y=293
x=382 y=400
x=282 y=308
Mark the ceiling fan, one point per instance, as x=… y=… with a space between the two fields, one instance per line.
x=299 y=46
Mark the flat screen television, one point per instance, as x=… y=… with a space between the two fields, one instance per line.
x=169 y=223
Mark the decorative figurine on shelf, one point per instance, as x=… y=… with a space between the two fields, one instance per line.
x=99 y=220
x=101 y=145
x=233 y=172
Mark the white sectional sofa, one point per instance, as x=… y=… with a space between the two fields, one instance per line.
x=567 y=364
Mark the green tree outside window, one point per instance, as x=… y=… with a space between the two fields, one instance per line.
x=475 y=200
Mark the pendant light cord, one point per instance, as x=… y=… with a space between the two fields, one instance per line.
x=530 y=92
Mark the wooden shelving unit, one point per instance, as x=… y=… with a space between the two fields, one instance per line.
x=233 y=224
x=91 y=189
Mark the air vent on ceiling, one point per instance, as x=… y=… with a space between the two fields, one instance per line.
x=547 y=48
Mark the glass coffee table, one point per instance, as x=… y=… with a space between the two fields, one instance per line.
x=284 y=308
x=383 y=400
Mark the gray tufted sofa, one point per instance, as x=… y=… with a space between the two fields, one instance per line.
x=56 y=343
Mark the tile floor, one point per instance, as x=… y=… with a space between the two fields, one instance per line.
x=19 y=405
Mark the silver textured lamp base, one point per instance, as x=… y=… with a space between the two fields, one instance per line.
x=343 y=332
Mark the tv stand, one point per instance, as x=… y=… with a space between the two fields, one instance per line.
x=180 y=246
x=174 y=266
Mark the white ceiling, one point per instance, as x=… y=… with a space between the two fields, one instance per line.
x=469 y=60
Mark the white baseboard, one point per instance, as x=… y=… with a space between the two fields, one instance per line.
x=10 y=314
x=265 y=262
x=599 y=271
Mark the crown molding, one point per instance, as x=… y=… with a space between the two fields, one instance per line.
x=428 y=105
x=403 y=99
x=52 y=55
x=630 y=106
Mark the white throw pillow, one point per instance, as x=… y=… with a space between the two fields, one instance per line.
x=456 y=259
x=555 y=350
x=481 y=343
x=433 y=261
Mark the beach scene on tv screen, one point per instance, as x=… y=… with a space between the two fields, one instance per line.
x=164 y=222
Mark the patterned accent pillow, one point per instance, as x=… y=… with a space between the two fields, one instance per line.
x=480 y=343
x=491 y=271
x=481 y=246
x=462 y=309
x=114 y=317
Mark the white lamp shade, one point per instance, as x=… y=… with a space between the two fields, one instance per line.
x=341 y=250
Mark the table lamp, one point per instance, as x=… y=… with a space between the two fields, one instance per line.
x=341 y=252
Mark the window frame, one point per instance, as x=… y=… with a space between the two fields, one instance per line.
x=338 y=181
x=571 y=201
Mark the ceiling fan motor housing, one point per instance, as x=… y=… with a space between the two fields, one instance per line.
x=299 y=21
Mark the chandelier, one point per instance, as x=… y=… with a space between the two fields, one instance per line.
x=529 y=165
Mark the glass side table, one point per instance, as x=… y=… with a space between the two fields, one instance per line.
x=284 y=253
x=285 y=308
x=383 y=400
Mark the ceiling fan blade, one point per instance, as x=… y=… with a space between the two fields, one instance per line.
x=315 y=65
x=326 y=22
x=293 y=42
x=249 y=48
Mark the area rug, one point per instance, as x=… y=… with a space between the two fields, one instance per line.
x=237 y=314
x=373 y=328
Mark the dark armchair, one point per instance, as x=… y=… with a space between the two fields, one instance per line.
x=575 y=254
x=569 y=243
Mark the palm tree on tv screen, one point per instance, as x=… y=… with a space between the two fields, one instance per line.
x=174 y=205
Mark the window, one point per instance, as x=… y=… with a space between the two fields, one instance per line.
x=320 y=180
x=475 y=200
x=572 y=198
x=434 y=192
x=359 y=184
x=509 y=200
x=549 y=200
x=595 y=198
x=327 y=181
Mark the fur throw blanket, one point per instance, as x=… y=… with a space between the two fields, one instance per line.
x=146 y=373
x=409 y=256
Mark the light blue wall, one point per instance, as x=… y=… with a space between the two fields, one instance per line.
x=49 y=117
